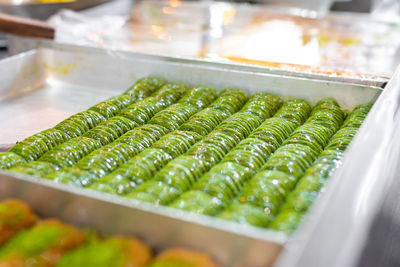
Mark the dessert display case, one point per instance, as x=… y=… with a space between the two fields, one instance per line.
x=44 y=86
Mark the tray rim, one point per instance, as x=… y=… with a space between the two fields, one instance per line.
x=234 y=228
x=262 y=234
x=38 y=44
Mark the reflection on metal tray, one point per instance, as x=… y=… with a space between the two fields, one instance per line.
x=42 y=9
x=21 y=44
x=44 y=86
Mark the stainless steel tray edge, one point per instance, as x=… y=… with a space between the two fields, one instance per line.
x=229 y=243
x=24 y=44
x=233 y=75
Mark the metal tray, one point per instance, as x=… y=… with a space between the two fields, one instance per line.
x=41 y=87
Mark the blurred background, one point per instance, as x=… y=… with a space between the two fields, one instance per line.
x=346 y=38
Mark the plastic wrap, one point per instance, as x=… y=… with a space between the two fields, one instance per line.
x=354 y=195
x=85 y=30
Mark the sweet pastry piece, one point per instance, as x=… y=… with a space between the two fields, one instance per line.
x=36 y=145
x=116 y=252
x=15 y=215
x=112 y=106
x=182 y=258
x=144 y=87
x=79 y=123
x=205 y=121
x=70 y=152
x=35 y=168
x=10 y=159
x=41 y=245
